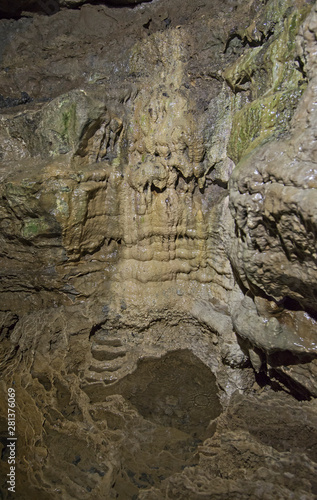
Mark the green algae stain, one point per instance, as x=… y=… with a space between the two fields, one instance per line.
x=259 y=120
x=33 y=227
x=62 y=207
x=275 y=86
x=281 y=54
x=144 y=121
x=68 y=123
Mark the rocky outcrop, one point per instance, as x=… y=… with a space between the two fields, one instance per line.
x=273 y=200
x=249 y=455
x=158 y=254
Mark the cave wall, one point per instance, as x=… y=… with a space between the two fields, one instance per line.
x=158 y=195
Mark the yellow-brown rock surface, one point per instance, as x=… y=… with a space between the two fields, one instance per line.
x=158 y=249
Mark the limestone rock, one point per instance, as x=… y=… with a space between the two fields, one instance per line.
x=157 y=245
x=50 y=7
x=273 y=201
x=266 y=459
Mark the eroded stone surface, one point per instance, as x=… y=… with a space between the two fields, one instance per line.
x=157 y=215
x=255 y=452
x=273 y=198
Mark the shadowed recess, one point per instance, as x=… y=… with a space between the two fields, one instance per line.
x=177 y=390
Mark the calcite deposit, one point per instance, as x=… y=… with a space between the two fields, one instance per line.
x=158 y=201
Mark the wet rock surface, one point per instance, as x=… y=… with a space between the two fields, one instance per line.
x=158 y=249
x=256 y=452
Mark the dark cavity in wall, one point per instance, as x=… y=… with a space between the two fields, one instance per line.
x=175 y=398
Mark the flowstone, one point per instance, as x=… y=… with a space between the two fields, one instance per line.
x=158 y=249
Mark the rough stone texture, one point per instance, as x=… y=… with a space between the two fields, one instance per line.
x=158 y=249
x=14 y=8
x=255 y=452
x=273 y=200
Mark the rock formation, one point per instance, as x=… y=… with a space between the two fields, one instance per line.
x=158 y=316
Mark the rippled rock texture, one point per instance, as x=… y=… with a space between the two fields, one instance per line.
x=158 y=200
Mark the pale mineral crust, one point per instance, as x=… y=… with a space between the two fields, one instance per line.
x=158 y=202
